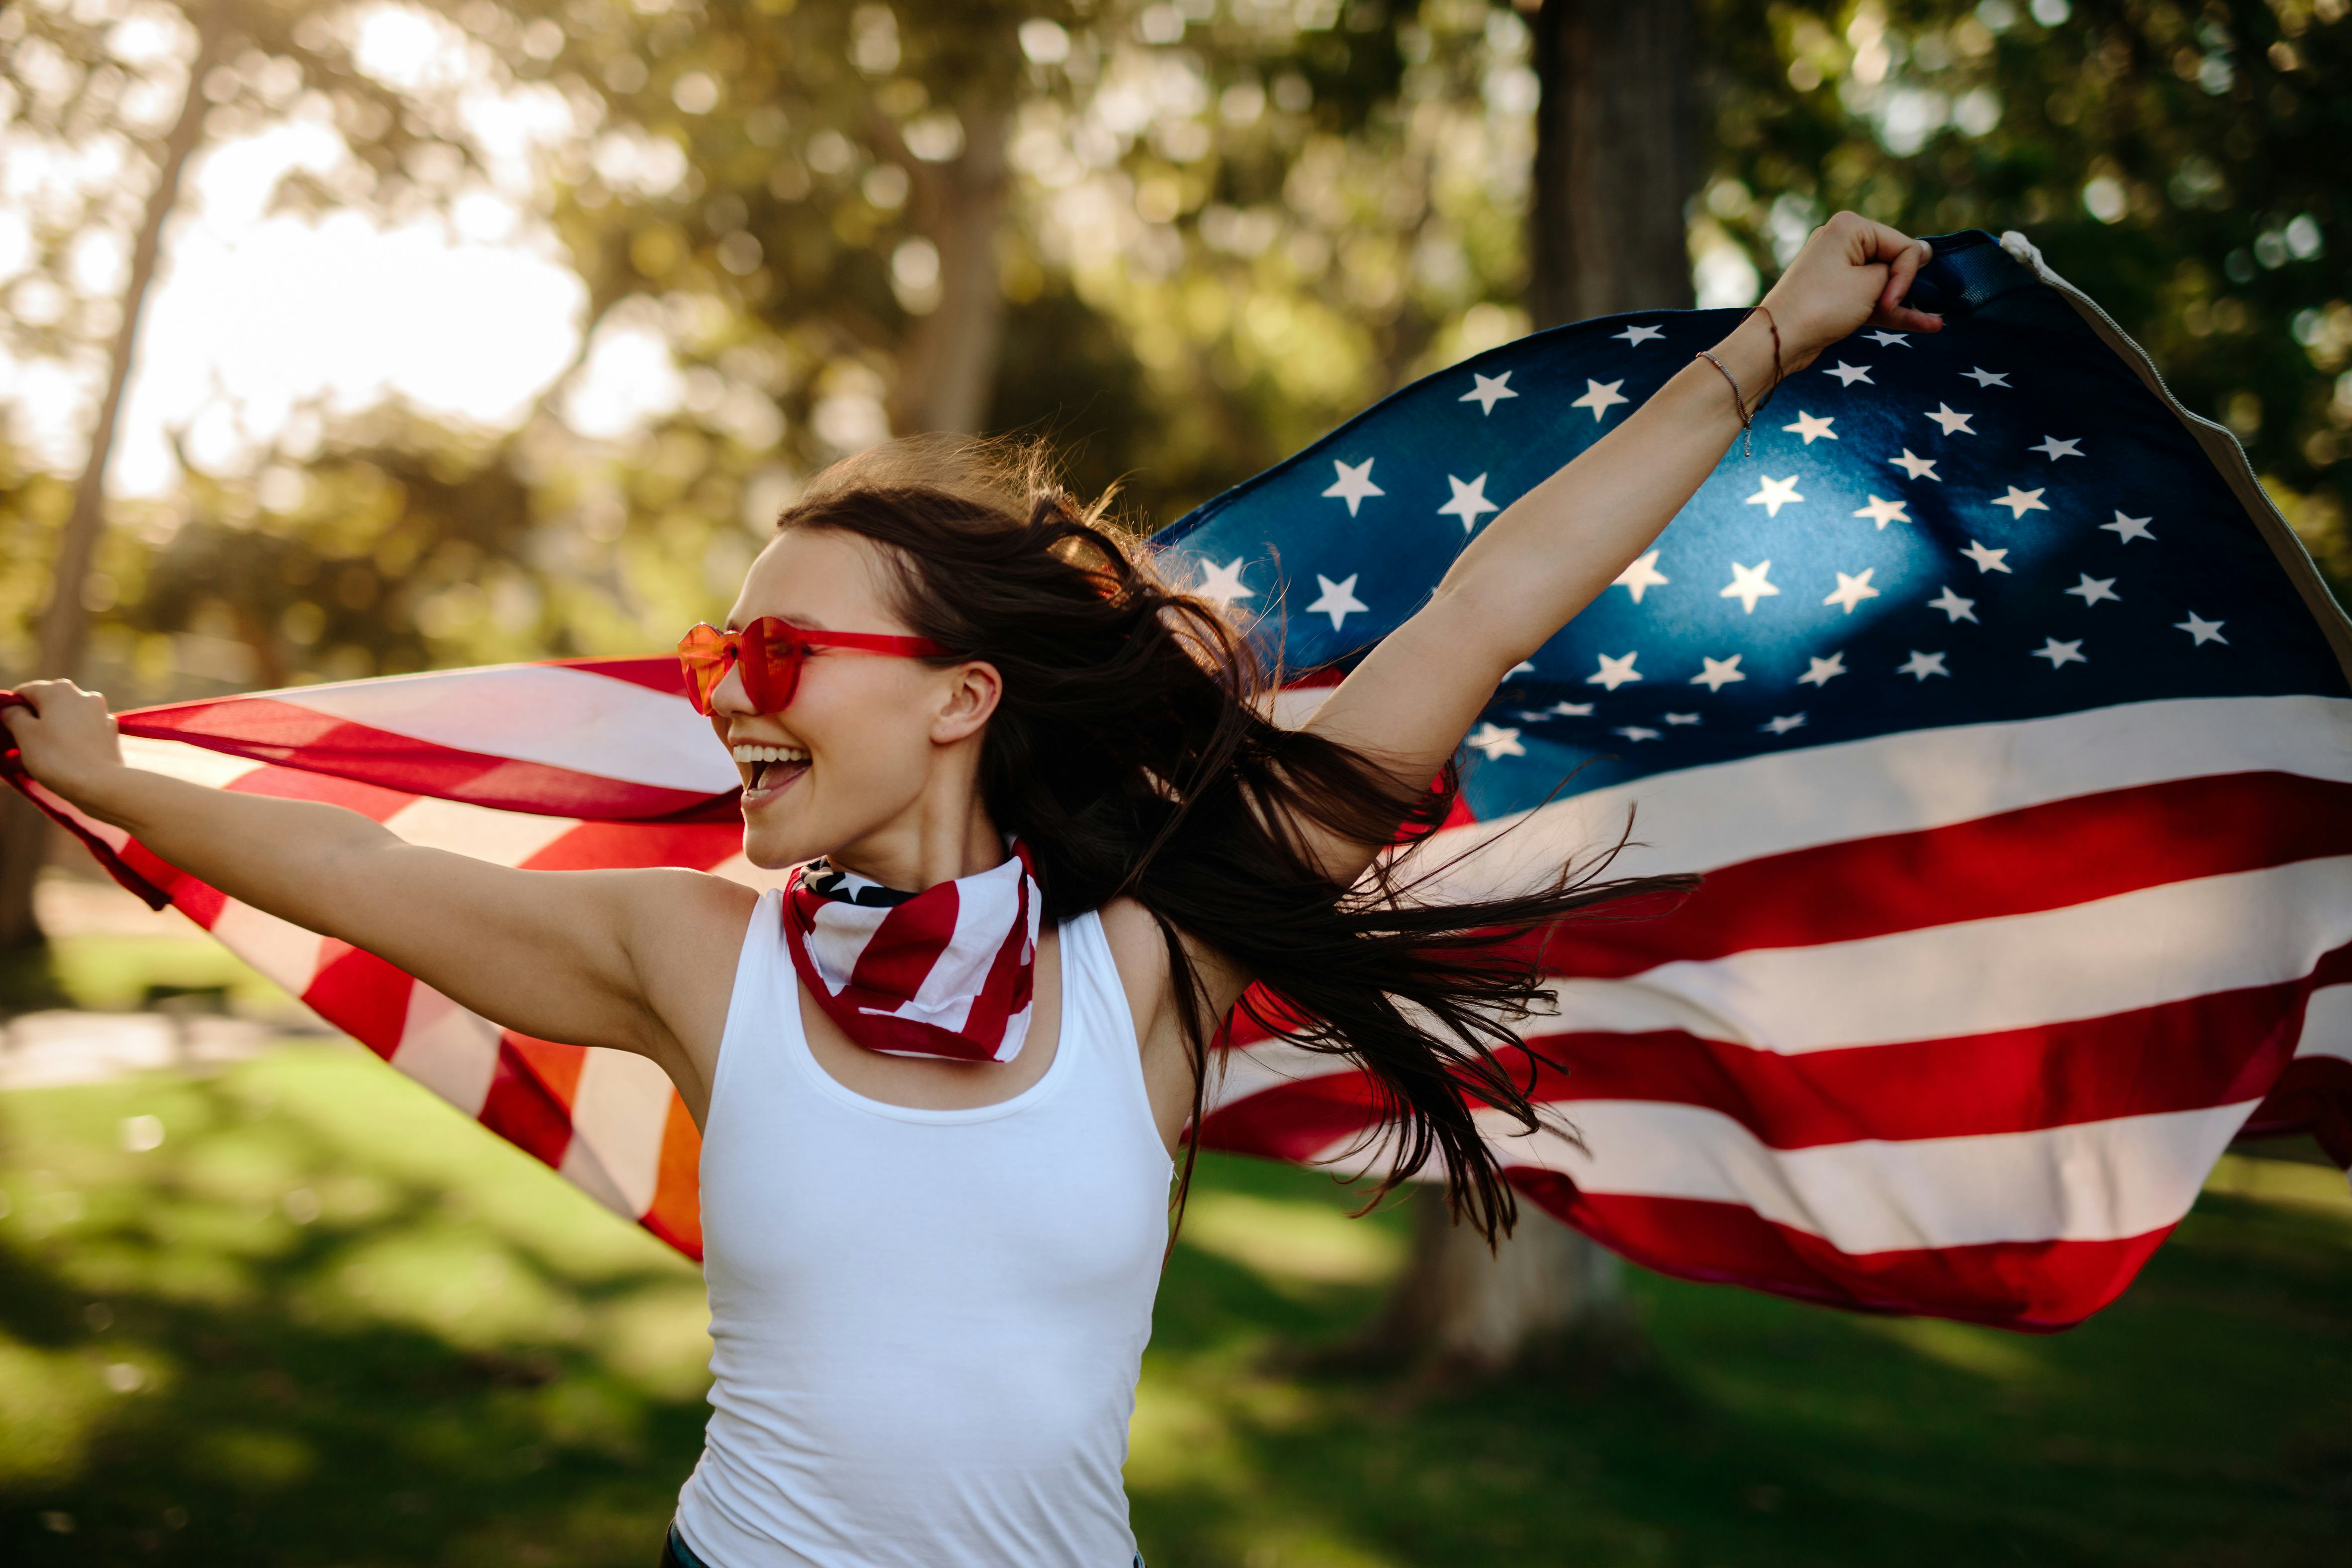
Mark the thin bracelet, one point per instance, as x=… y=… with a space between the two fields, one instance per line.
x=1739 y=404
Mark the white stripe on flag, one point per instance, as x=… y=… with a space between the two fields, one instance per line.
x=2091 y=1181
x=619 y=1112
x=1699 y=819
x=450 y=1051
x=540 y=712
x=280 y=949
x=2136 y=950
x=178 y=760
x=502 y=838
x=2327 y=1024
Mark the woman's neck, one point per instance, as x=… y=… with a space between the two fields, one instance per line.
x=924 y=848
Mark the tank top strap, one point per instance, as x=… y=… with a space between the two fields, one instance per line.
x=1097 y=1022
x=766 y=997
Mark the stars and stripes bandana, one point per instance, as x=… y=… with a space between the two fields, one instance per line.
x=2005 y=716
x=945 y=972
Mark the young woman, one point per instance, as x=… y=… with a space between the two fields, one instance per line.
x=941 y=1077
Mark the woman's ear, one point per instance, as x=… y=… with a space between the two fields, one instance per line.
x=972 y=693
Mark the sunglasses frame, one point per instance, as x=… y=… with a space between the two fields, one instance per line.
x=771 y=652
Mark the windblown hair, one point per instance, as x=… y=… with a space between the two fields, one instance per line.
x=1134 y=750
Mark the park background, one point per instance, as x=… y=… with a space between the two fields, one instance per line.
x=348 y=340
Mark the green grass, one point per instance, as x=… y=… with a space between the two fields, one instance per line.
x=326 y=1321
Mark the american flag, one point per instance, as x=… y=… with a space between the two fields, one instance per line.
x=2007 y=722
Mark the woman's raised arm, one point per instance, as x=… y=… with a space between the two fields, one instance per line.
x=1552 y=552
x=639 y=960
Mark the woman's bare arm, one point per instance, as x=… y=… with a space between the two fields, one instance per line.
x=1552 y=552
x=639 y=960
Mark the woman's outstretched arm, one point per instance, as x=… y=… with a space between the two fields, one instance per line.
x=1552 y=552
x=639 y=960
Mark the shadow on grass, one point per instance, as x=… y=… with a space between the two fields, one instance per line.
x=2200 y=1421
x=441 y=1355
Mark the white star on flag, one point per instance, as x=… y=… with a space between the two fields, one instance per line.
x=2127 y=529
x=1572 y=710
x=1718 y=672
x=2053 y=448
x=1614 y=672
x=1524 y=667
x=1984 y=378
x=1849 y=374
x=1986 y=559
x=1783 y=723
x=1954 y=607
x=1917 y=467
x=1635 y=732
x=1682 y=718
x=1490 y=390
x=1747 y=585
x=1775 y=495
x=1884 y=512
x=1641 y=577
x=2020 y=502
x=1497 y=741
x=1338 y=601
x=2204 y=631
x=1852 y=591
x=1821 y=672
x=1952 y=421
x=1887 y=340
x=1811 y=427
x=2059 y=653
x=1919 y=665
x=1469 y=502
x=1223 y=583
x=2091 y=589
x=1354 y=484
x=1600 y=399
x=1635 y=336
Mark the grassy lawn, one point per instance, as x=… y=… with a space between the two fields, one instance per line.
x=325 y=1322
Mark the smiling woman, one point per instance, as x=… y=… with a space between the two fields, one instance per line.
x=1048 y=842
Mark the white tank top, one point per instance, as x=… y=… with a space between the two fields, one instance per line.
x=925 y=1325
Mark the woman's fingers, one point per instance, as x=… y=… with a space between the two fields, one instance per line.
x=1902 y=256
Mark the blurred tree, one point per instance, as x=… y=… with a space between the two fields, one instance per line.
x=143 y=87
x=1616 y=161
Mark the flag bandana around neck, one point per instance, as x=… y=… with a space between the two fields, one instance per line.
x=947 y=972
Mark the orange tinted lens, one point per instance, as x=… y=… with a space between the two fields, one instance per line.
x=702 y=653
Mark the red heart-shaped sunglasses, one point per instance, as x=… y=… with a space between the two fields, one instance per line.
x=770 y=653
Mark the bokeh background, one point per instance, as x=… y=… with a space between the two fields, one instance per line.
x=342 y=340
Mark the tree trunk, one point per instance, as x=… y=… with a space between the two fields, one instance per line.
x=65 y=622
x=1616 y=159
x=948 y=373
x=1616 y=162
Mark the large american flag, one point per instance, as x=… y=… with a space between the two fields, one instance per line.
x=2006 y=720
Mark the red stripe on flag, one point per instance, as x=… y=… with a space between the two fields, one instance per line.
x=361 y=995
x=2016 y=863
x=609 y=846
x=675 y=1214
x=285 y=735
x=530 y=1101
x=2214 y=1049
x=2040 y=1286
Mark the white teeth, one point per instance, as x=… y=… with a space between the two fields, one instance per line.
x=770 y=754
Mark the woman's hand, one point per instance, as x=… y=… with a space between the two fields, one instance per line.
x=1852 y=272
x=66 y=735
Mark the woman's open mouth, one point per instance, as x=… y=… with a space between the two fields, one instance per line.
x=769 y=769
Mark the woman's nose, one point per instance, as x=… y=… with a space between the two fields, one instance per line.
x=729 y=695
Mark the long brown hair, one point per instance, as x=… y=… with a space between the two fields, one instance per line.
x=1133 y=751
